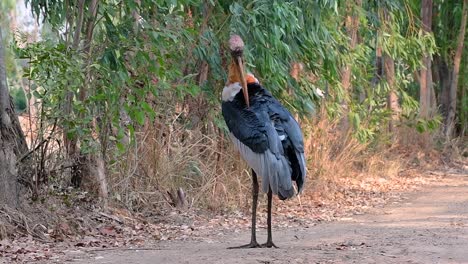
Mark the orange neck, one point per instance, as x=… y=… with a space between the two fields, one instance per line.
x=233 y=73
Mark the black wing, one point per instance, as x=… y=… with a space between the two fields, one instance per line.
x=268 y=138
x=291 y=137
x=245 y=126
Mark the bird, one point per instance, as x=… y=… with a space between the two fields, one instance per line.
x=266 y=135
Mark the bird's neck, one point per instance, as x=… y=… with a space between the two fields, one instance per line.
x=233 y=73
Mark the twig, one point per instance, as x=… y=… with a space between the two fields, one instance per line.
x=38 y=145
x=115 y=218
x=32 y=150
x=21 y=222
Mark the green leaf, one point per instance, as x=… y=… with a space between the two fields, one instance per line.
x=120 y=147
x=37 y=94
x=140 y=117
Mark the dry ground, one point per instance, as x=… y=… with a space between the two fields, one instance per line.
x=429 y=226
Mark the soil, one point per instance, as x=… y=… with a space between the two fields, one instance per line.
x=428 y=226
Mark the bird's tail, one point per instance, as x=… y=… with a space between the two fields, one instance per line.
x=278 y=176
x=300 y=180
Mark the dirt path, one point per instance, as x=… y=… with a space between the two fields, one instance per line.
x=431 y=227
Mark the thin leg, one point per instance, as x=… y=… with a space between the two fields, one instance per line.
x=253 y=238
x=269 y=242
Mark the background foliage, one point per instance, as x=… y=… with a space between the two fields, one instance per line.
x=139 y=81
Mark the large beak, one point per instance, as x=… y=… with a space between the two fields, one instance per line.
x=240 y=68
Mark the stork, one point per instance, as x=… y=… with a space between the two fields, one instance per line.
x=267 y=136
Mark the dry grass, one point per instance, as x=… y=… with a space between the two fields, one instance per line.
x=204 y=164
x=338 y=162
x=169 y=157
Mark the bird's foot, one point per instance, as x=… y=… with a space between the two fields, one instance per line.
x=252 y=244
x=269 y=244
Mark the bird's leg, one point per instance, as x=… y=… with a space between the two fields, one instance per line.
x=269 y=242
x=253 y=238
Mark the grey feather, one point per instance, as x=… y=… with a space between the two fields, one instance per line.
x=294 y=133
x=302 y=164
x=273 y=169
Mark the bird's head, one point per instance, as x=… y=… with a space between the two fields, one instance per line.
x=236 y=68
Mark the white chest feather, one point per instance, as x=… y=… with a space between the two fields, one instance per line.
x=230 y=91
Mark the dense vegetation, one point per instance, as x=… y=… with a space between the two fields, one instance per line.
x=125 y=94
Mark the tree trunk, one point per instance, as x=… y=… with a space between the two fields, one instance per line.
x=444 y=79
x=352 y=26
x=79 y=24
x=378 y=67
x=450 y=122
x=98 y=161
x=424 y=93
x=136 y=16
x=12 y=142
x=392 y=99
x=8 y=172
x=94 y=163
x=389 y=72
x=378 y=64
x=432 y=92
x=425 y=80
x=70 y=143
x=13 y=21
x=464 y=101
